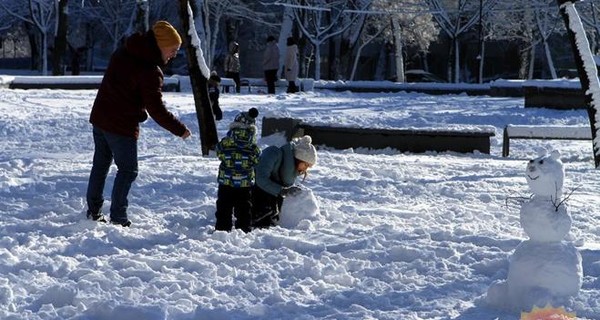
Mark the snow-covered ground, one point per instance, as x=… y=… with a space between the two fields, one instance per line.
x=398 y=235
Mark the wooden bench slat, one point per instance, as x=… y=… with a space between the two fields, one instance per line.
x=544 y=133
x=403 y=139
x=550 y=132
x=481 y=132
x=88 y=82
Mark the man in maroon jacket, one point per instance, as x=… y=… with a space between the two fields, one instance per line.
x=130 y=90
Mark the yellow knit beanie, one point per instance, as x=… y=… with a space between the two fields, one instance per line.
x=166 y=36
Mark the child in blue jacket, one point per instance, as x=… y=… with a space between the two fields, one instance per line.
x=276 y=172
x=239 y=154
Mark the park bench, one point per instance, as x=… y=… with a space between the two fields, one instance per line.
x=566 y=97
x=228 y=85
x=543 y=133
x=170 y=84
x=405 y=140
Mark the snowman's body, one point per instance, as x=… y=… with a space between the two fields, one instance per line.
x=545 y=268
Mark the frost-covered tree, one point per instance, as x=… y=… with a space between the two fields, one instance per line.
x=211 y=15
x=404 y=24
x=530 y=22
x=110 y=21
x=375 y=25
x=5 y=24
x=39 y=15
x=114 y=16
x=547 y=23
x=342 y=47
x=515 y=26
x=455 y=18
x=10 y=34
x=320 y=20
x=589 y=13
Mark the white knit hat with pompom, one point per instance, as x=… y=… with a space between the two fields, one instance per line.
x=304 y=150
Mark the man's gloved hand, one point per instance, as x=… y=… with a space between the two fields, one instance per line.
x=290 y=191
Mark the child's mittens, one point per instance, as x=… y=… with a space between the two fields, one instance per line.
x=290 y=191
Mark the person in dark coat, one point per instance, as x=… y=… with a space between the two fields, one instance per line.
x=239 y=154
x=233 y=66
x=276 y=172
x=130 y=90
x=271 y=64
x=213 y=94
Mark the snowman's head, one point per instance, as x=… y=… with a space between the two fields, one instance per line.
x=545 y=175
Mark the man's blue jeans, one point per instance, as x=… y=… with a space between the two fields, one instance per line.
x=109 y=146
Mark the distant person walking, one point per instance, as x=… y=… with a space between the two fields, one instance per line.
x=291 y=65
x=232 y=65
x=130 y=90
x=271 y=64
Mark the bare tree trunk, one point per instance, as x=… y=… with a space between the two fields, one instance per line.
x=449 y=63
x=359 y=51
x=44 y=53
x=35 y=47
x=481 y=63
x=115 y=41
x=531 y=63
x=356 y=59
x=381 y=65
x=523 y=63
x=346 y=50
x=317 y=61
x=425 y=61
x=60 y=40
x=456 y=61
x=199 y=81
x=332 y=58
x=398 y=57
x=89 y=46
x=549 y=60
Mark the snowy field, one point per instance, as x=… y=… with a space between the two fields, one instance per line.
x=398 y=235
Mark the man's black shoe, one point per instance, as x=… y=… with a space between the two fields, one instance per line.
x=99 y=217
x=126 y=223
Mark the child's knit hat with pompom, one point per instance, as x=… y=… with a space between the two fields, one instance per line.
x=245 y=119
x=304 y=150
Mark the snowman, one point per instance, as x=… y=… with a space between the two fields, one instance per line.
x=545 y=269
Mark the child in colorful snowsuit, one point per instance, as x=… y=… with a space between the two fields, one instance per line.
x=239 y=154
